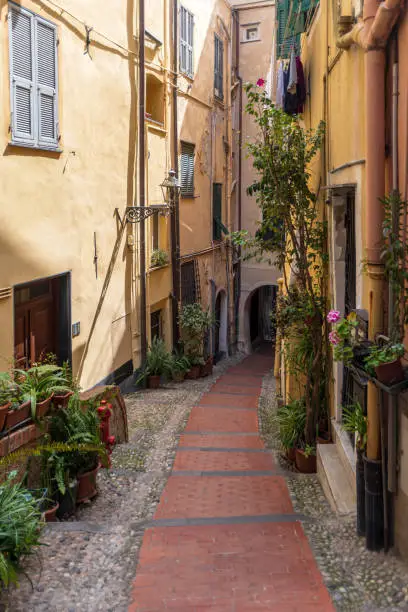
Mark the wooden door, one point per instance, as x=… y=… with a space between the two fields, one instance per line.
x=21 y=335
x=34 y=331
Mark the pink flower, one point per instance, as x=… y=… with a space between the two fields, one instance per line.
x=111 y=440
x=260 y=82
x=333 y=316
x=334 y=338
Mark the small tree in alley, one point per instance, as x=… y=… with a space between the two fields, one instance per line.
x=293 y=236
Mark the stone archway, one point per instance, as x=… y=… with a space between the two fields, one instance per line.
x=255 y=325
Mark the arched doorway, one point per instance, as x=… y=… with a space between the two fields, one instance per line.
x=258 y=326
x=221 y=325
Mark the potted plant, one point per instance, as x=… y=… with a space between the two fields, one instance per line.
x=20 y=528
x=384 y=362
x=158 y=363
x=79 y=425
x=8 y=397
x=291 y=420
x=37 y=386
x=354 y=421
x=207 y=368
x=180 y=365
x=194 y=322
x=159 y=258
x=196 y=363
x=306 y=459
x=61 y=396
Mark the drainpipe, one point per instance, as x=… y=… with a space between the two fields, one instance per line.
x=175 y=213
x=239 y=181
x=142 y=179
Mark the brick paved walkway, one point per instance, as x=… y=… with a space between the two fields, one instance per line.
x=225 y=537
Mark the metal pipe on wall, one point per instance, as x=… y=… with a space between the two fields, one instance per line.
x=142 y=178
x=175 y=213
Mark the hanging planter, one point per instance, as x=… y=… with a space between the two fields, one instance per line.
x=390 y=373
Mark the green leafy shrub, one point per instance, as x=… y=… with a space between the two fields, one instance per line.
x=194 y=322
x=355 y=421
x=159 y=361
x=382 y=354
x=291 y=420
x=39 y=382
x=20 y=528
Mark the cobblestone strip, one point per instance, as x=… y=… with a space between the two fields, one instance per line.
x=358 y=580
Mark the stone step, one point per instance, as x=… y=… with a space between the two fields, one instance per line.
x=333 y=478
x=346 y=453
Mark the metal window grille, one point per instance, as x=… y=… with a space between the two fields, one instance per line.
x=156 y=324
x=190 y=283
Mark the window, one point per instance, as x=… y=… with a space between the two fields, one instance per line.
x=189 y=284
x=33 y=79
x=156 y=325
x=218 y=68
x=187 y=169
x=154 y=99
x=155 y=232
x=217 y=211
x=186 y=42
x=250 y=32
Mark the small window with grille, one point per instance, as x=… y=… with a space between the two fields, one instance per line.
x=250 y=32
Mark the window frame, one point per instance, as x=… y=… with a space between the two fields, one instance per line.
x=250 y=26
x=185 y=44
x=185 y=191
x=217 y=220
x=36 y=140
x=218 y=68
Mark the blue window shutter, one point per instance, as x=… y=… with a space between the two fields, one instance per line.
x=47 y=98
x=21 y=37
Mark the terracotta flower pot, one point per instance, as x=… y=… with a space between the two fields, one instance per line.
x=193 y=373
x=14 y=417
x=305 y=465
x=291 y=454
x=207 y=368
x=50 y=515
x=61 y=401
x=43 y=407
x=3 y=414
x=390 y=373
x=87 y=485
x=153 y=382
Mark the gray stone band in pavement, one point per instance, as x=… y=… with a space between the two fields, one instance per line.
x=227 y=473
x=220 y=433
x=215 y=449
x=227 y=520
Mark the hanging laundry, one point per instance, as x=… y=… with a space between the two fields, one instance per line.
x=291 y=100
x=280 y=98
x=292 y=74
x=301 y=85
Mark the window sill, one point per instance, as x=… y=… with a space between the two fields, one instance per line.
x=189 y=77
x=191 y=196
x=156 y=125
x=243 y=42
x=153 y=268
x=22 y=145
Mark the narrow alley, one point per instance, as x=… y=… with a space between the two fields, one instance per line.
x=225 y=536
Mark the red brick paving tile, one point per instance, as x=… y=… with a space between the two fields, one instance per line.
x=216 y=496
x=222 y=419
x=234 y=379
x=231 y=568
x=238 y=389
x=222 y=399
x=213 y=461
x=220 y=441
x=253 y=372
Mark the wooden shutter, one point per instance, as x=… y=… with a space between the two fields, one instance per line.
x=186 y=41
x=46 y=58
x=21 y=34
x=187 y=169
x=217 y=211
x=218 y=68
